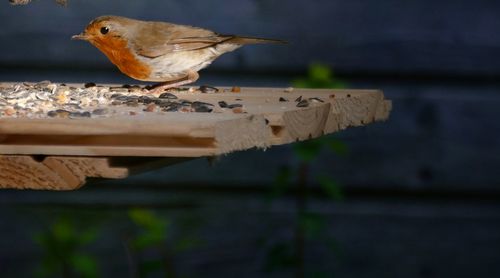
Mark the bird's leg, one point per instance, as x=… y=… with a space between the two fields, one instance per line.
x=191 y=77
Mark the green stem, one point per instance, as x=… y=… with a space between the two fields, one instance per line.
x=301 y=203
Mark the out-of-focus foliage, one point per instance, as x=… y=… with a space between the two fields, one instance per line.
x=153 y=229
x=309 y=150
x=152 y=240
x=63 y=244
x=310 y=226
x=319 y=76
x=158 y=239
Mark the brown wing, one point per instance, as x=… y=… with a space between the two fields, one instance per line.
x=158 y=38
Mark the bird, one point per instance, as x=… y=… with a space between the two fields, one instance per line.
x=167 y=53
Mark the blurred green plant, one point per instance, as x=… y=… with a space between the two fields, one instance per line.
x=63 y=244
x=154 y=229
x=319 y=76
x=152 y=241
x=159 y=236
x=309 y=225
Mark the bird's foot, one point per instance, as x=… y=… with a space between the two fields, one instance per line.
x=162 y=87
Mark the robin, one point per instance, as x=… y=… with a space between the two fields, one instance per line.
x=159 y=51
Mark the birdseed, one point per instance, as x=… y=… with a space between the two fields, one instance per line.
x=303 y=103
x=50 y=100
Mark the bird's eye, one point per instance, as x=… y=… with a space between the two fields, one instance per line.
x=104 y=30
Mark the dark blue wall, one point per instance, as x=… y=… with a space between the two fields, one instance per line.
x=447 y=37
x=422 y=188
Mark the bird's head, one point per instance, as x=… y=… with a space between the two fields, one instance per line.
x=106 y=31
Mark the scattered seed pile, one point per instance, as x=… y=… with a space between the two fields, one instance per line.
x=50 y=100
x=25 y=2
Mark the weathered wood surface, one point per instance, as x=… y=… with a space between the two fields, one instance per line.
x=69 y=172
x=267 y=121
x=55 y=173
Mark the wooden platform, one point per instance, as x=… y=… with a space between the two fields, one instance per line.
x=56 y=153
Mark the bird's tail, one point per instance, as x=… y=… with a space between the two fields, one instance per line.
x=251 y=40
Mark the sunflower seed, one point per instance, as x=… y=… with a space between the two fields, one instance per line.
x=231 y=106
x=208 y=89
x=223 y=104
x=100 y=111
x=315 y=99
x=303 y=103
x=168 y=96
x=89 y=84
x=59 y=113
x=202 y=108
x=75 y=115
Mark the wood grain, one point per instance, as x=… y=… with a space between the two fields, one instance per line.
x=266 y=121
x=54 y=173
x=81 y=148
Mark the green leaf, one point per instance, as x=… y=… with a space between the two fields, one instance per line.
x=300 y=83
x=331 y=188
x=320 y=72
x=154 y=229
x=143 y=218
x=150 y=238
x=40 y=239
x=319 y=76
x=87 y=236
x=63 y=230
x=308 y=150
x=84 y=265
x=186 y=243
x=337 y=146
x=313 y=225
x=48 y=267
x=148 y=220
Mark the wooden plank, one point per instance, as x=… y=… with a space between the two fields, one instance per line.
x=270 y=117
x=54 y=173
x=69 y=173
x=168 y=124
x=82 y=148
x=109 y=151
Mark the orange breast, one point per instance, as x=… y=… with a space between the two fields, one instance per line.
x=117 y=51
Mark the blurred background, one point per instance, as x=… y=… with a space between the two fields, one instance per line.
x=416 y=196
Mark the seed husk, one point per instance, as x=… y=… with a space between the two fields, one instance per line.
x=168 y=96
x=316 y=99
x=203 y=108
x=100 y=111
x=223 y=104
x=303 y=103
x=76 y=115
x=208 y=89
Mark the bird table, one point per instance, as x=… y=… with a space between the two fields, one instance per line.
x=55 y=136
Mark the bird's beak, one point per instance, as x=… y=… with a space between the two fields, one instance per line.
x=81 y=36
